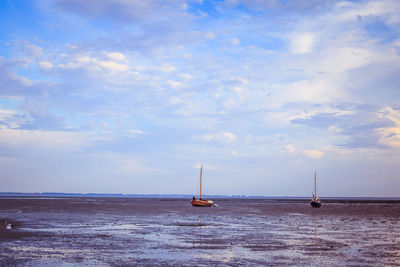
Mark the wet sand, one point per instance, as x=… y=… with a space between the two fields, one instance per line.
x=134 y=231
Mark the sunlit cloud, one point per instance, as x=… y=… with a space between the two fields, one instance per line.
x=314 y=154
x=390 y=136
x=116 y=56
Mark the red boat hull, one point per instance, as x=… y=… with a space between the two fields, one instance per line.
x=202 y=203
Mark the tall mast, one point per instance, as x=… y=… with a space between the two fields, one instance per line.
x=317 y=192
x=201 y=176
x=315 y=184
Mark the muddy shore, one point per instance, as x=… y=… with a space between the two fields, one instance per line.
x=135 y=231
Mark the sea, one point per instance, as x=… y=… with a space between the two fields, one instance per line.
x=134 y=231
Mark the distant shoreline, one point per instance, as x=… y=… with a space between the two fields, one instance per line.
x=181 y=196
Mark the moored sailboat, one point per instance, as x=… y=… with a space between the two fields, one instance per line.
x=315 y=201
x=201 y=202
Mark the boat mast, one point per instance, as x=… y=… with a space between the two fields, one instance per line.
x=201 y=176
x=315 y=185
x=317 y=192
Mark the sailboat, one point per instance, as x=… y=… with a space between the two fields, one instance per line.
x=201 y=202
x=315 y=201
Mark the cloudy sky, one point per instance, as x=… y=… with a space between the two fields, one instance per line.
x=126 y=96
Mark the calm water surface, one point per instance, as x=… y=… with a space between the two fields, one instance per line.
x=133 y=231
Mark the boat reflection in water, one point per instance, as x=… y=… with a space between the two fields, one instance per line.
x=201 y=202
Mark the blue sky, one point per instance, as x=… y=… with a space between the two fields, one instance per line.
x=116 y=96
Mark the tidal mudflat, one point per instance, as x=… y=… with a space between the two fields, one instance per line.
x=142 y=231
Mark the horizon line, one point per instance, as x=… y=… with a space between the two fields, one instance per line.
x=185 y=195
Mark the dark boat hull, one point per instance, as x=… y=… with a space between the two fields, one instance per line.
x=202 y=203
x=315 y=204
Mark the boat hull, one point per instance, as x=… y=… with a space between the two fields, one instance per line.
x=315 y=204
x=202 y=203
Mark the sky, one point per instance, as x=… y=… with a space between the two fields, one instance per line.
x=132 y=97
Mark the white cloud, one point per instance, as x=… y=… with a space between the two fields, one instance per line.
x=312 y=90
x=80 y=61
x=396 y=46
x=4 y=113
x=46 y=65
x=116 y=56
x=289 y=149
x=221 y=137
x=93 y=64
x=390 y=136
x=313 y=154
x=33 y=49
x=302 y=43
x=167 y=68
x=58 y=140
x=186 y=76
x=175 y=100
x=174 y=84
x=238 y=89
x=8 y=117
x=134 y=133
x=113 y=66
x=206 y=166
x=385 y=10
x=339 y=60
x=84 y=59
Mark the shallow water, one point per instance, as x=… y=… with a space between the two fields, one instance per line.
x=129 y=231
